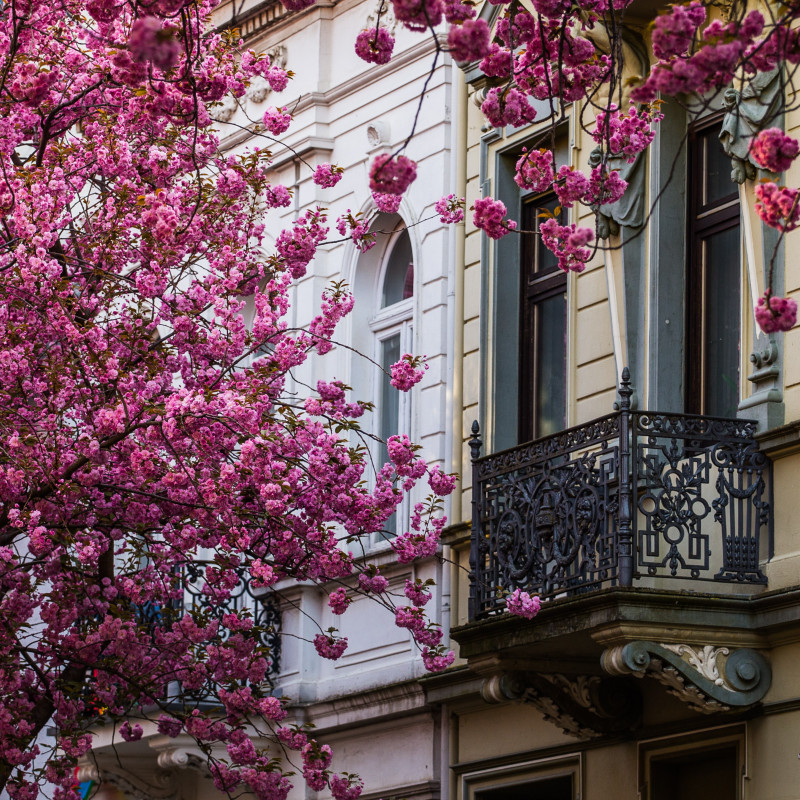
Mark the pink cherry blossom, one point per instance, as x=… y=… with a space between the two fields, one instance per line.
x=388 y=203
x=534 y=170
x=330 y=647
x=778 y=206
x=407 y=372
x=470 y=40
x=521 y=604
x=339 y=601
x=277 y=120
x=357 y=228
x=391 y=175
x=490 y=217
x=568 y=243
x=373 y=582
x=151 y=40
x=775 y=313
x=450 y=209
x=437 y=659
x=375 y=45
x=773 y=150
x=415 y=591
x=327 y=175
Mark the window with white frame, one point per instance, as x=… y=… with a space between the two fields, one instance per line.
x=392 y=331
x=382 y=328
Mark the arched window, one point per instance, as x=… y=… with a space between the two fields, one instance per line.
x=392 y=330
x=382 y=325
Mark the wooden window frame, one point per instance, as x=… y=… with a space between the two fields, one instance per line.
x=533 y=291
x=703 y=221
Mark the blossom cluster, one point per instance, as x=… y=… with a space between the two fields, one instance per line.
x=450 y=209
x=778 y=206
x=357 y=229
x=568 y=243
x=375 y=45
x=407 y=372
x=628 y=134
x=490 y=217
x=327 y=175
x=775 y=313
x=773 y=150
x=521 y=604
x=391 y=174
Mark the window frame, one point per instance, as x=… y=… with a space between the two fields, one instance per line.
x=524 y=773
x=709 y=739
x=534 y=290
x=704 y=220
x=387 y=322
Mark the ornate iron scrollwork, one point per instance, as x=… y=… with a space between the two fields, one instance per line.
x=262 y=606
x=628 y=495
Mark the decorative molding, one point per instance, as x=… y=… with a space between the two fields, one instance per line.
x=267 y=15
x=707 y=678
x=383 y=14
x=364 y=80
x=224 y=110
x=584 y=706
x=259 y=88
x=141 y=785
x=748 y=111
x=378 y=133
x=172 y=758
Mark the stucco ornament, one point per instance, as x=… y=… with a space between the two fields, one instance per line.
x=225 y=109
x=259 y=88
x=749 y=110
x=707 y=678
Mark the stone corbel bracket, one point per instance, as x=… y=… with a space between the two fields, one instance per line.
x=584 y=706
x=707 y=678
x=161 y=786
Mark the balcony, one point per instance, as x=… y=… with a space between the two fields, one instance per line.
x=634 y=497
x=645 y=535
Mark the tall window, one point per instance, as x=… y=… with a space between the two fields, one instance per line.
x=714 y=279
x=392 y=330
x=543 y=329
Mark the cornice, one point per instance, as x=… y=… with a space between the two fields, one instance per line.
x=782 y=441
x=771 y=616
x=368 y=77
x=367 y=707
x=269 y=16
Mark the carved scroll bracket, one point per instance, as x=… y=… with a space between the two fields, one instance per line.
x=707 y=678
x=144 y=779
x=584 y=706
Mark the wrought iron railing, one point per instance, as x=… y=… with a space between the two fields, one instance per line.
x=633 y=496
x=196 y=600
x=263 y=608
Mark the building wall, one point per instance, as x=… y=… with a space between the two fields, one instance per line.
x=496 y=748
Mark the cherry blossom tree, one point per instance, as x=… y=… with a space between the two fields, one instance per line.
x=143 y=423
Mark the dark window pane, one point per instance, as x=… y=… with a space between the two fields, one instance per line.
x=699 y=776
x=551 y=365
x=559 y=788
x=542 y=329
x=398 y=282
x=545 y=259
x=718 y=183
x=389 y=410
x=721 y=324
